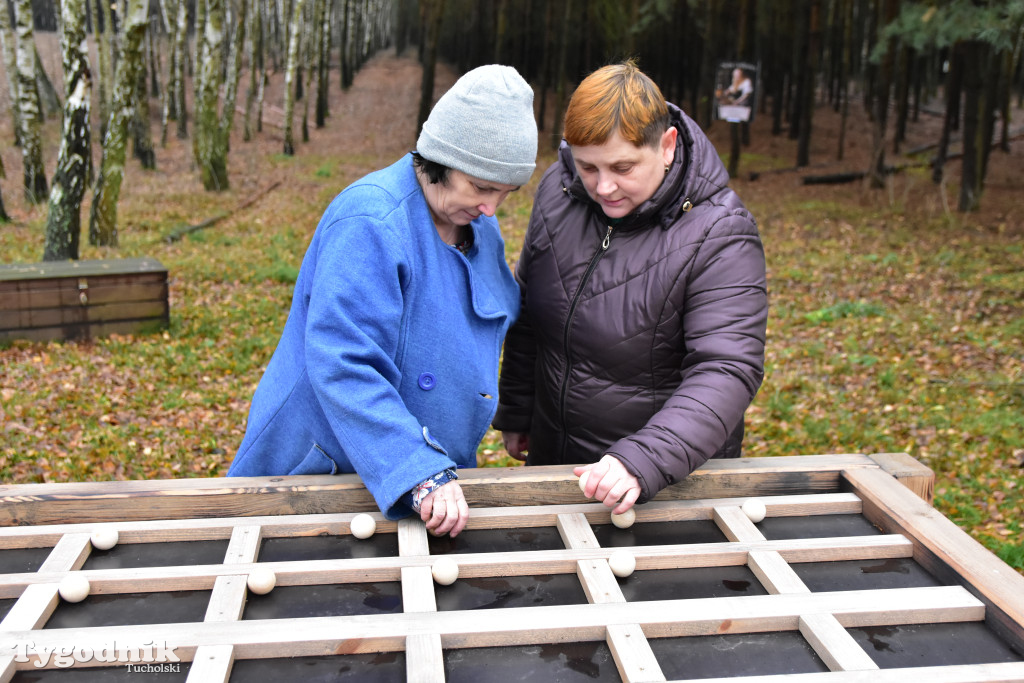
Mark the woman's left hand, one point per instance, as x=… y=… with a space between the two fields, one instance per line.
x=610 y=482
x=445 y=510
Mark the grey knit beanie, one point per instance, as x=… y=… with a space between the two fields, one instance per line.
x=484 y=126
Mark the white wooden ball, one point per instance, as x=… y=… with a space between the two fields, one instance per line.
x=104 y=539
x=625 y=520
x=445 y=571
x=363 y=525
x=622 y=563
x=754 y=510
x=74 y=588
x=583 y=481
x=261 y=581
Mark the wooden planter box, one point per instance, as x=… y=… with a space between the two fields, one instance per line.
x=82 y=299
x=852 y=576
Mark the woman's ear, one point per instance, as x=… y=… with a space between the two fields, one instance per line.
x=668 y=145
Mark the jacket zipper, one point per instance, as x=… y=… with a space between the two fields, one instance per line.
x=567 y=334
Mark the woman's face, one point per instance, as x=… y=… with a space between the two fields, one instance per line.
x=620 y=176
x=464 y=198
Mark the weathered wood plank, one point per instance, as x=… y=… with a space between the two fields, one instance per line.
x=944 y=549
x=35 y=504
x=85 y=268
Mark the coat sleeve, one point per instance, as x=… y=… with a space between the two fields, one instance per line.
x=353 y=333
x=725 y=316
x=519 y=354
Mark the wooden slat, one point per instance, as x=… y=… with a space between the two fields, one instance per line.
x=35 y=504
x=412 y=537
x=418 y=590
x=88 y=331
x=79 y=293
x=69 y=553
x=335 y=524
x=244 y=546
x=424 y=659
x=944 y=549
x=598 y=582
x=735 y=524
x=14 y=272
x=32 y=609
x=8 y=667
x=1004 y=672
x=633 y=655
x=522 y=563
x=576 y=532
x=227 y=601
x=774 y=573
x=211 y=664
x=526 y=625
x=834 y=644
x=82 y=316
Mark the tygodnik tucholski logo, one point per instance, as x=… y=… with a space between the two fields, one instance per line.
x=146 y=657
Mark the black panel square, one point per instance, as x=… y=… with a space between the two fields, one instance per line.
x=741 y=654
x=171 y=554
x=659 y=533
x=325 y=600
x=689 y=583
x=22 y=560
x=587 y=662
x=498 y=541
x=854 y=575
x=376 y=667
x=908 y=645
x=122 y=609
x=491 y=592
x=344 y=547
x=816 y=526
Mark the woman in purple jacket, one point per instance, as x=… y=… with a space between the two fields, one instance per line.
x=640 y=341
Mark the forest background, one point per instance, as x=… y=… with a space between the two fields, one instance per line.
x=896 y=297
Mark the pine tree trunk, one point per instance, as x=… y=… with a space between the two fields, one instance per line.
x=294 y=33
x=7 y=42
x=561 y=78
x=63 y=220
x=432 y=32
x=806 y=113
x=954 y=81
x=888 y=11
x=976 y=110
x=28 y=104
x=323 y=60
x=103 y=214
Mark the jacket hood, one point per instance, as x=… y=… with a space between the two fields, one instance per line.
x=683 y=187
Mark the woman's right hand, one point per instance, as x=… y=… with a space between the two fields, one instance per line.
x=517 y=444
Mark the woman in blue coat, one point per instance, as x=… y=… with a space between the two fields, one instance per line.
x=388 y=363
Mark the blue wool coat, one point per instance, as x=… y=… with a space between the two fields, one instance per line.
x=388 y=363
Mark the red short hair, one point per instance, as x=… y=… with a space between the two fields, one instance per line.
x=618 y=97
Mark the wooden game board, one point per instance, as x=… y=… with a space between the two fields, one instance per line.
x=852 y=576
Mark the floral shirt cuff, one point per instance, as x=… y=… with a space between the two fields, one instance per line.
x=414 y=498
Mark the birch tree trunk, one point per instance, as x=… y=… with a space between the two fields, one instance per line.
x=294 y=32
x=106 y=66
x=63 y=221
x=212 y=169
x=227 y=116
x=255 y=58
x=181 y=54
x=28 y=103
x=7 y=42
x=103 y=214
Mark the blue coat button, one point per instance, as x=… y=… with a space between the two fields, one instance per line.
x=427 y=381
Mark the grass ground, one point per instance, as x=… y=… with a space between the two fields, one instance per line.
x=895 y=325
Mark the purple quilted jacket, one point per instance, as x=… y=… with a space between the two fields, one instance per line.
x=643 y=339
